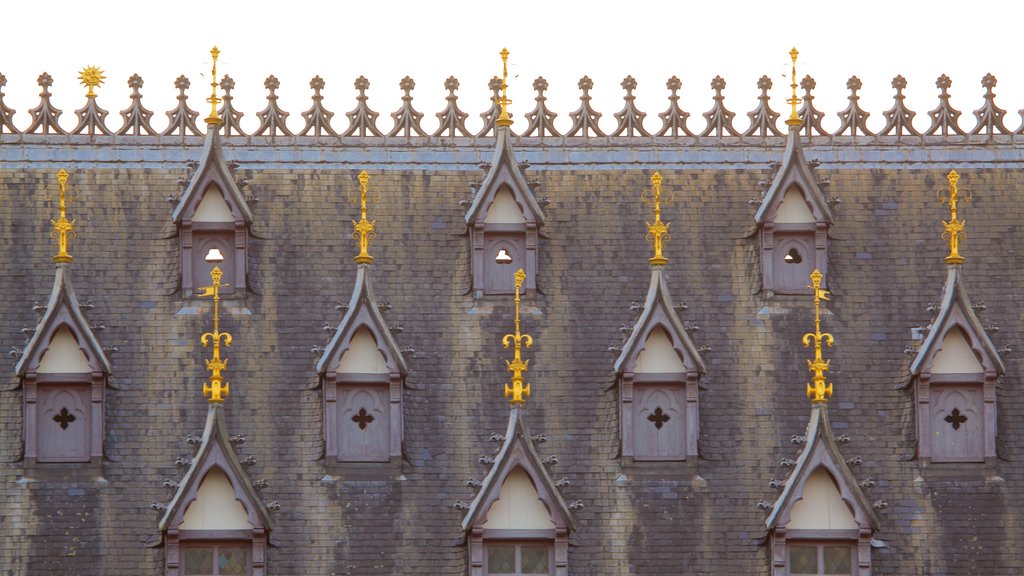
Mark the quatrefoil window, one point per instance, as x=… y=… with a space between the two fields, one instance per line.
x=955 y=418
x=362 y=418
x=659 y=418
x=64 y=418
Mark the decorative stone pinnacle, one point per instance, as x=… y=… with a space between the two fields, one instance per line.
x=216 y=390
x=657 y=232
x=585 y=84
x=504 y=119
x=953 y=231
x=540 y=84
x=451 y=84
x=92 y=77
x=362 y=84
x=794 y=118
x=135 y=82
x=718 y=84
x=628 y=84
x=227 y=83
x=45 y=80
x=63 y=229
x=363 y=229
x=213 y=119
x=272 y=84
x=899 y=83
x=317 y=83
x=819 y=391
x=854 y=84
x=674 y=84
x=943 y=82
x=519 y=391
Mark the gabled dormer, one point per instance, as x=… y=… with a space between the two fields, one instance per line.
x=822 y=517
x=212 y=213
x=504 y=219
x=658 y=370
x=518 y=523
x=362 y=371
x=955 y=370
x=216 y=517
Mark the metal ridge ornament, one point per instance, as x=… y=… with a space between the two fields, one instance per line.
x=364 y=229
x=504 y=120
x=63 y=229
x=657 y=232
x=519 y=392
x=819 y=391
x=953 y=231
x=92 y=77
x=214 y=119
x=217 y=389
x=794 y=118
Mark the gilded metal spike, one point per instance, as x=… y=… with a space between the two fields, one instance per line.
x=657 y=232
x=217 y=389
x=63 y=229
x=364 y=228
x=819 y=391
x=793 y=101
x=519 y=391
x=92 y=77
x=214 y=118
x=504 y=120
x=953 y=231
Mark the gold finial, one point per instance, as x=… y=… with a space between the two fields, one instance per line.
x=364 y=228
x=504 y=120
x=658 y=231
x=794 y=118
x=217 y=389
x=519 y=391
x=214 y=119
x=92 y=77
x=954 y=229
x=819 y=391
x=63 y=229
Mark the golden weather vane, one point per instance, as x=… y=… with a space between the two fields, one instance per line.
x=92 y=77
x=953 y=231
x=819 y=391
x=214 y=118
x=504 y=120
x=657 y=232
x=63 y=229
x=519 y=391
x=217 y=389
x=364 y=228
x=794 y=118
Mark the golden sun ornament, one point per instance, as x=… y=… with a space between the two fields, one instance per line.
x=92 y=77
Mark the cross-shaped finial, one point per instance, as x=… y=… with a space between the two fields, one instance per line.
x=364 y=231
x=214 y=119
x=657 y=232
x=953 y=231
x=794 y=118
x=504 y=120
x=519 y=391
x=217 y=389
x=63 y=229
x=819 y=391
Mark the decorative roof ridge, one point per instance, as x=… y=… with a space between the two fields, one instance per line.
x=363 y=309
x=658 y=298
x=505 y=159
x=517 y=433
x=954 y=295
x=819 y=435
x=212 y=160
x=216 y=440
x=794 y=169
x=62 y=296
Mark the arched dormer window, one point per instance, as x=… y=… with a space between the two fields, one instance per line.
x=793 y=220
x=213 y=213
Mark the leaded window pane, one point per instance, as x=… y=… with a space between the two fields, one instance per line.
x=535 y=559
x=803 y=560
x=232 y=561
x=838 y=560
x=198 y=561
x=501 y=559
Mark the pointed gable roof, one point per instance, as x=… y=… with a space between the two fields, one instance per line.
x=505 y=171
x=794 y=171
x=212 y=169
x=822 y=451
x=62 y=309
x=517 y=451
x=659 y=311
x=216 y=451
x=956 y=310
x=362 y=311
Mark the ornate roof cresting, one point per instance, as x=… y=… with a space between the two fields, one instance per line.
x=657 y=232
x=519 y=391
x=217 y=389
x=953 y=231
x=363 y=230
x=63 y=229
x=819 y=391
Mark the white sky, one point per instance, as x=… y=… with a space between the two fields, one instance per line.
x=386 y=40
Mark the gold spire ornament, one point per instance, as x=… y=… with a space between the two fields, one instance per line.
x=657 y=232
x=819 y=391
x=504 y=120
x=92 y=77
x=793 y=101
x=953 y=231
x=214 y=119
x=364 y=228
x=217 y=389
x=63 y=229
x=519 y=391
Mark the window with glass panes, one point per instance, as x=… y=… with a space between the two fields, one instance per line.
x=821 y=559
x=520 y=559
x=221 y=559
